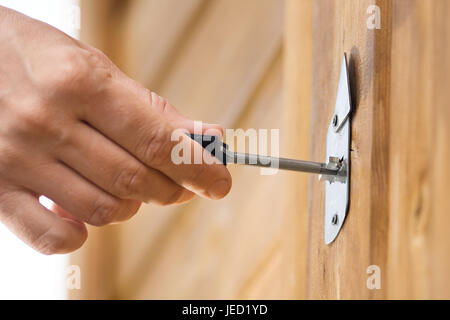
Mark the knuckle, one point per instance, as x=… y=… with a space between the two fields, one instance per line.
x=158 y=102
x=31 y=119
x=10 y=158
x=103 y=66
x=6 y=196
x=174 y=197
x=7 y=199
x=129 y=182
x=98 y=57
x=35 y=121
x=104 y=212
x=130 y=209
x=153 y=147
x=50 y=243
x=71 y=73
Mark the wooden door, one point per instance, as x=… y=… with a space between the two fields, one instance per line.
x=399 y=205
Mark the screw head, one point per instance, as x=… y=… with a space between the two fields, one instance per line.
x=335 y=120
x=334 y=219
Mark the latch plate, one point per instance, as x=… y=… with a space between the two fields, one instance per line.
x=337 y=188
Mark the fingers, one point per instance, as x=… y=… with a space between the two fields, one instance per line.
x=61 y=212
x=116 y=171
x=40 y=228
x=82 y=199
x=129 y=118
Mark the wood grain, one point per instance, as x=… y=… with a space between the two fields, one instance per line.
x=297 y=88
x=153 y=34
x=399 y=207
x=220 y=66
x=419 y=243
x=338 y=271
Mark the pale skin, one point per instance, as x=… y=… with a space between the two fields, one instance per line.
x=76 y=129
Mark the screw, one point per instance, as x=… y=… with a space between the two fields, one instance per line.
x=335 y=220
x=335 y=120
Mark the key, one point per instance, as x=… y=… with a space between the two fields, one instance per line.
x=220 y=150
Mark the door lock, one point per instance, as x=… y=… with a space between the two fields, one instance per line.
x=335 y=172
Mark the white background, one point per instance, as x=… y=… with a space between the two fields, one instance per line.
x=25 y=274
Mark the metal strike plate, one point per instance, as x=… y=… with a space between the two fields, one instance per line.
x=337 y=188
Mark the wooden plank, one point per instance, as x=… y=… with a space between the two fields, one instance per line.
x=99 y=20
x=94 y=22
x=223 y=60
x=97 y=264
x=297 y=83
x=152 y=33
x=419 y=241
x=338 y=271
x=399 y=205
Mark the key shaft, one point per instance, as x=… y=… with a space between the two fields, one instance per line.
x=280 y=163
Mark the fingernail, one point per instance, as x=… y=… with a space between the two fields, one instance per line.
x=219 y=189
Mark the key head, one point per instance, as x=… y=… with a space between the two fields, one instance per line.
x=213 y=145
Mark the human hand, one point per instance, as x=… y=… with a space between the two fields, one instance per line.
x=74 y=128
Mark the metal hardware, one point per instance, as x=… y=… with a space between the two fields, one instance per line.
x=220 y=150
x=335 y=172
x=335 y=120
x=335 y=219
x=337 y=188
x=283 y=163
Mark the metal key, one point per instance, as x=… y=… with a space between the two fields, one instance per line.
x=214 y=144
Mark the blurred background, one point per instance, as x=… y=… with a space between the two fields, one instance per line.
x=218 y=61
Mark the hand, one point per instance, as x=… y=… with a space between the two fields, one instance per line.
x=74 y=128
